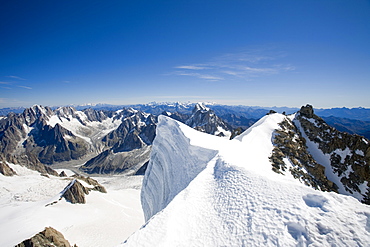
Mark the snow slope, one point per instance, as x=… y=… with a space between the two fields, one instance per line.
x=200 y=190
x=105 y=219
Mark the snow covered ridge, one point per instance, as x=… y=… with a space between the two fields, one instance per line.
x=200 y=190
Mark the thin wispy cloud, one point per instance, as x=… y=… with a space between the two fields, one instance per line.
x=242 y=65
x=201 y=76
x=191 y=67
x=25 y=87
x=16 y=77
x=5 y=83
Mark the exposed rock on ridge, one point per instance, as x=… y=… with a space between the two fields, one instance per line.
x=75 y=192
x=345 y=156
x=289 y=145
x=6 y=170
x=48 y=237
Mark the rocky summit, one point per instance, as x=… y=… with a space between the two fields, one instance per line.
x=321 y=156
x=75 y=192
x=345 y=156
x=48 y=237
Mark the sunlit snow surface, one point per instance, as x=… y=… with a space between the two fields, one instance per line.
x=201 y=190
x=105 y=219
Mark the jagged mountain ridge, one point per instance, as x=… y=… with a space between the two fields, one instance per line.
x=134 y=137
x=117 y=141
x=129 y=145
x=61 y=135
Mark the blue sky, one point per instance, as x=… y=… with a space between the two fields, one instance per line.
x=265 y=53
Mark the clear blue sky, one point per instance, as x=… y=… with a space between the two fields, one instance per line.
x=251 y=52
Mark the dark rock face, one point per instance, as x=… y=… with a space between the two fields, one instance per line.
x=6 y=170
x=136 y=130
x=63 y=174
x=109 y=162
x=129 y=145
x=205 y=120
x=290 y=145
x=75 y=192
x=142 y=169
x=349 y=154
x=54 y=144
x=99 y=116
x=30 y=161
x=48 y=237
x=307 y=111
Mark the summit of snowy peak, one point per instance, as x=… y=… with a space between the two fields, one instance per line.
x=200 y=107
x=203 y=190
x=204 y=119
x=36 y=112
x=39 y=110
x=65 y=111
x=130 y=109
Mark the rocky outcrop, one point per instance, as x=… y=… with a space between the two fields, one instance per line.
x=6 y=170
x=48 y=237
x=62 y=174
x=348 y=156
x=93 y=182
x=75 y=192
x=290 y=154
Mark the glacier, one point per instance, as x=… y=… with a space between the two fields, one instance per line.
x=202 y=190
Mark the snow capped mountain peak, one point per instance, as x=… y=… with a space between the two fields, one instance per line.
x=200 y=107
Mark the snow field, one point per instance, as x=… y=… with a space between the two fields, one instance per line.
x=105 y=219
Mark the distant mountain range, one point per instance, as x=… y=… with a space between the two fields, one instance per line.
x=350 y=120
x=109 y=141
x=257 y=112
